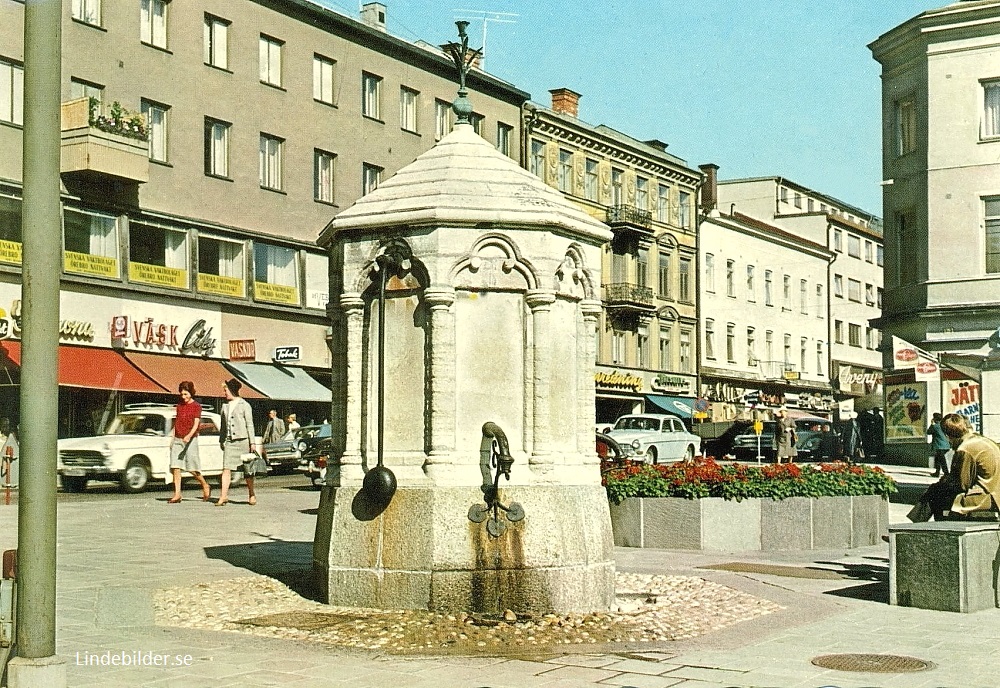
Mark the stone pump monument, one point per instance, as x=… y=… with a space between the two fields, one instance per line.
x=464 y=299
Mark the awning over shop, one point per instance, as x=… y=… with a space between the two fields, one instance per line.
x=93 y=368
x=679 y=406
x=288 y=383
x=207 y=375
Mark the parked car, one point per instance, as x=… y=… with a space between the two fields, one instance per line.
x=134 y=449
x=654 y=437
x=285 y=455
x=315 y=459
x=744 y=446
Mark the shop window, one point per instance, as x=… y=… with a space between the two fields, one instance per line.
x=276 y=274
x=90 y=242
x=221 y=267
x=158 y=256
x=317 y=280
x=10 y=230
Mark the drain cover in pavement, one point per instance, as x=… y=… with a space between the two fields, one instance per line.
x=775 y=570
x=874 y=664
x=305 y=621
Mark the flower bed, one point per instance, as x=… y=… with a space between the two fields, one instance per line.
x=705 y=504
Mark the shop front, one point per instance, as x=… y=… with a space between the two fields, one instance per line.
x=731 y=399
x=620 y=391
x=858 y=388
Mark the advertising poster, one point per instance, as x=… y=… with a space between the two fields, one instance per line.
x=906 y=411
x=962 y=396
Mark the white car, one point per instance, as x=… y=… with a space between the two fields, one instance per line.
x=135 y=449
x=654 y=438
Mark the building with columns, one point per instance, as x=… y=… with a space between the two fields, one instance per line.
x=941 y=203
x=647 y=335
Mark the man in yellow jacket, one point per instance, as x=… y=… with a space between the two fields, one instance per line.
x=971 y=489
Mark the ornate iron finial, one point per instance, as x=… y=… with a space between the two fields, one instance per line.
x=463 y=57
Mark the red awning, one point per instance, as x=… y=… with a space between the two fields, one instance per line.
x=208 y=375
x=93 y=368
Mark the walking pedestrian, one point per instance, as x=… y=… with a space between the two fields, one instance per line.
x=784 y=439
x=275 y=428
x=293 y=424
x=184 y=454
x=236 y=438
x=940 y=445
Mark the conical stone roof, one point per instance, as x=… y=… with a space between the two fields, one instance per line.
x=463 y=180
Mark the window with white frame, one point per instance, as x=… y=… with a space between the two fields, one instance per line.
x=869 y=294
x=838 y=241
x=590 y=172
x=317 y=280
x=617 y=193
x=991 y=108
x=216 y=147
x=854 y=334
x=906 y=126
x=854 y=290
x=90 y=243
x=84 y=89
x=853 y=246
x=270 y=60
x=565 y=171
x=768 y=288
x=221 y=266
x=798 y=200
x=408 y=108
x=664 y=273
x=505 y=134
x=216 y=43
x=786 y=287
x=803 y=296
x=769 y=345
x=642 y=267
x=87 y=11
x=153 y=22
x=751 y=346
x=477 y=120
x=323 y=176
x=270 y=167
x=731 y=343
x=684 y=279
x=869 y=253
x=783 y=194
x=442 y=120
x=158 y=255
x=663 y=203
x=992 y=212
x=819 y=359
x=641 y=192
x=838 y=331
x=731 y=278
x=11 y=92
x=642 y=347
x=371 y=95
x=803 y=352
x=787 y=353
x=871 y=338
x=751 y=287
x=666 y=347
x=820 y=305
x=276 y=274
x=323 y=79
x=684 y=209
x=371 y=176
x=156 y=125
x=617 y=347
x=536 y=161
x=838 y=286
x=710 y=339
x=685 y=351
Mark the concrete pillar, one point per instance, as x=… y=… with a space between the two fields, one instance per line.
x=441 y=378
x=540 y=302
x=586 y=365
x=354 y=313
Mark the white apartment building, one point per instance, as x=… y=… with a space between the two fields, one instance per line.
x=941 y=202
x=853 y=290
x=763 y=314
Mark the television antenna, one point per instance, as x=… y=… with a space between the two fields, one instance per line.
x=486 y=17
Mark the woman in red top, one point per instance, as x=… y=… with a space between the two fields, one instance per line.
x=184 y=443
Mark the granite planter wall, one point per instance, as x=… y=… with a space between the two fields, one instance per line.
x=716 y=524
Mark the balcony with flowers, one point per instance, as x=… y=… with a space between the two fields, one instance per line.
x=98 y=144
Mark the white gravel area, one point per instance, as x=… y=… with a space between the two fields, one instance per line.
x=647 y=609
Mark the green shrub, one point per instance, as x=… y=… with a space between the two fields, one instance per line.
x=705 y=477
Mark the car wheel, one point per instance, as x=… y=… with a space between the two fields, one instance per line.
x=689 y=454
x=652 y=455
x=73 y=483
x=136 y=475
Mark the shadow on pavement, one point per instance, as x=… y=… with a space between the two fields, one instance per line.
x=289 y=562
x=877 y=589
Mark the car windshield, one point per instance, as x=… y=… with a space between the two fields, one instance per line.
x=637 y=423
x=138 y=424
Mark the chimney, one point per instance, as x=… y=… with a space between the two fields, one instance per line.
x=565 y=101
x=373 y=15
x=710 y=187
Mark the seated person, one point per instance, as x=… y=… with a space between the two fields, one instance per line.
x=971 y=489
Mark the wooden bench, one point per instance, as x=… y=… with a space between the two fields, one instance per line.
x=944 y=565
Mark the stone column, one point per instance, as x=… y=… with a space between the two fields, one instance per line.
x=540 y=302
x=590 y=309
x=441 y=382
x=354 y=314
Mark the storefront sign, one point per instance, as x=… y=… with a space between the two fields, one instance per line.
x=221 y=285
x=276 y=293
x=76 y=329
x=850 y=376
x=904 y=354
x=619 y=380
x=199 y=340
x=962 y=397
x=287 y=353
x=10 y=252
x=906 y=411
x=87 y=264
x=158 y=275
x=4 y=328
x=242 y=350
x=146 y=331
x=671 y=383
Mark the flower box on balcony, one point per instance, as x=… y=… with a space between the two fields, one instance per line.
x=87 y=149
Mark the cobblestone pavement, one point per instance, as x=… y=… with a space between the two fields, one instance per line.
x=125 y=566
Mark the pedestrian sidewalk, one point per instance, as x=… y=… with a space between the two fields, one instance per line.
x=112 y=553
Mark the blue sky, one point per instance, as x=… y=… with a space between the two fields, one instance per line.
x=773 y=87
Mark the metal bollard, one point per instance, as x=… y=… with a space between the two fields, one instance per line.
x=8 y=607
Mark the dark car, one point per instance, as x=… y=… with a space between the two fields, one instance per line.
x=807 y=431
x=285 y=455
x=315 y=459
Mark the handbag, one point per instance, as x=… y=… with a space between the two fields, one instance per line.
x=253 y=464
x=920 y=513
